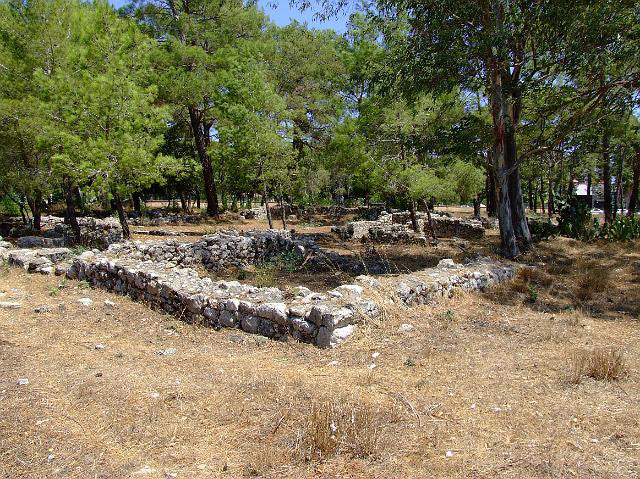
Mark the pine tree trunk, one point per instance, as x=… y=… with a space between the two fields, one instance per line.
x=492 y=207
x=121 y=214
x=476 y=206
x=431 y=226
x=551 y=204
x=283 y=213
x=530 y=193
x=72 y=220
x=266 y=205
x=542 y=195
x=619 y=190
x=518 y=213
x=201 y=138
x=633 y=198
x=507 y=234
x=414 y=218
x=35 y=204
x=136 y=197
x=606 y=177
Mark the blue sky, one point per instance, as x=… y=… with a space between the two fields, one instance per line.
x=283 y=14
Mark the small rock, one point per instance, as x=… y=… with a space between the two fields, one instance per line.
x=23 y=381
x=171 y=475
x=375 y=355
x=406 y=328
x=85 y=301
x=145 y=470
x=43 y=308
x=108 y=303
x=9 y=305
x=449 y=454
x=99 y=346
x=446 y=264
x=167 y=352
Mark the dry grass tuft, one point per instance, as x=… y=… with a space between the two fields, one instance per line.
x=592 y=279
x=335 y=427
x=600 y=364
x=535 y=276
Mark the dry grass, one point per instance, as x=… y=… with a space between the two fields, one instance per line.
x=334 y=427
x=593 y=279
x=477 y=389
x=601 y=364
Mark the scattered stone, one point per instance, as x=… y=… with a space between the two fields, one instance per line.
x=9 y=305
x=23 y=381
x=85 y=301
x=99 y=346
x=145 y=470
x=167 y=352
x=446 y=264
x=110 y=304
x=43 y=308
x=406 y=328
x=171 y=475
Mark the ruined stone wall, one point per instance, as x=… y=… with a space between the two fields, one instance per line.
x=397 y=228
x=161 y=274
x=321 y=319
x=224 y=249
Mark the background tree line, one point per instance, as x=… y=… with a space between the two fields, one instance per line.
x=503 y=102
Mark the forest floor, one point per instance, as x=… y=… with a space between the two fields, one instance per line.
x=510 y=383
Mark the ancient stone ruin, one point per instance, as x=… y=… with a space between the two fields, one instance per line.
x=163 y=274
x=95 y=233
x=397 y=228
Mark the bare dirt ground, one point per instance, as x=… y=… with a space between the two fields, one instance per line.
x=483 y=386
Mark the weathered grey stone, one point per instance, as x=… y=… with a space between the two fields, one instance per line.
x=276 y=312
x=228 y=319
x=10 y=305
x=328 y=338
x=250 y=324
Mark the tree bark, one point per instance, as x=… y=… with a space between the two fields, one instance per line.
x=414 y=218
x=542 y=195
x=266 y=205
x=633 y=199
x=619 y=190
x=136 y=197
x=551 y=203
x=72 y=220
x=35 y=204
x=606 y=177
x=518 y=213
x=431 y=226
x=476 y=206
x=530 y=193
x=201 y=132
x=121 y=214
x=492 y=207
x=283 y=213
x=507 y=234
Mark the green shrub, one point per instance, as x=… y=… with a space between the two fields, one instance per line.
x=575 y=220
x=9 y=207
x=542 y=230
x=622 y=228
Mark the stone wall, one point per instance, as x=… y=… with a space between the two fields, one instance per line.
x=322 y=319
x=95 y=233
x=162 y=274
x=223 y=249
x=397 y=228
x=430 y=285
